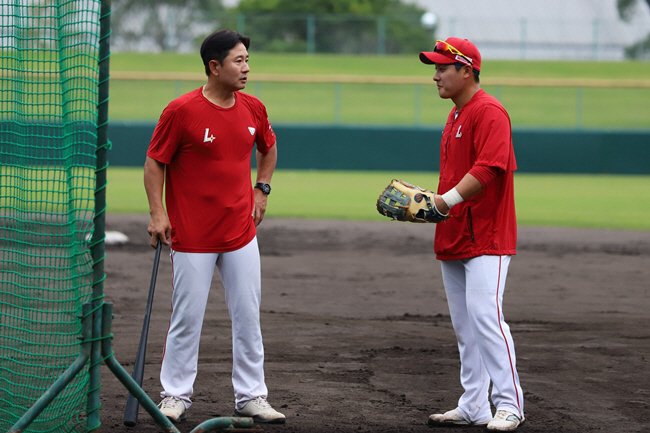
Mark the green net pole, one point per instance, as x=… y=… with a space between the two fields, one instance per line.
x=97 y=250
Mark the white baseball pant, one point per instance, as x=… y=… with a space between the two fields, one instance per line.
x=474 y=289
x=192 y=276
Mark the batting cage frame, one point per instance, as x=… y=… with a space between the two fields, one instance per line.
x=95 y=315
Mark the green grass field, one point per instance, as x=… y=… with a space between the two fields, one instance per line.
x=393 y=65
x=395 y=104
x=554 y=200
x=616 y=202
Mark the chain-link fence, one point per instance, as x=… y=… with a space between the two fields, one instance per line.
x=525 y=38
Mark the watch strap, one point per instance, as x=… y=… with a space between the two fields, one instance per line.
x=264 y=187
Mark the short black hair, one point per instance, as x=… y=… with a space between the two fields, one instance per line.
x=459 y=65
x=217 y=46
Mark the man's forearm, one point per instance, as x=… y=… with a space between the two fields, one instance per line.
x=266 y=164
x=468 y=186
x=154 y=180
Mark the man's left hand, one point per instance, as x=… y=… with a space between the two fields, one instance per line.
x=440 y=204
x=260 y=206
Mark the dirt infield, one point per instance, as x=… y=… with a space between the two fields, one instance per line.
x=358 y=337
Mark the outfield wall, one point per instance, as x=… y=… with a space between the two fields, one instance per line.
x=329 y=147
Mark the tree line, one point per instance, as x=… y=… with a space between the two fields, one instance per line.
x=334 y=26
x=342 y=26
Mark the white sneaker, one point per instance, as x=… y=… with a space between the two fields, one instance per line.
x=261 y=411
x=452 y=418
x=505 y=421
x=173 y=408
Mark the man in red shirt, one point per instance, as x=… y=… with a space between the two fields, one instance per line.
x=476 y=242
x=200 y=155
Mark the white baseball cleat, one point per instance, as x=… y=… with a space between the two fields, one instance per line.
x=452 y=418
x=173 y=408
x=261 y=411
x=505 y=421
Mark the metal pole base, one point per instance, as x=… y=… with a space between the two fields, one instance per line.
x=230 y=424
x=65 y=378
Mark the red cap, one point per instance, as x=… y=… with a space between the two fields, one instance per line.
x=447 y=57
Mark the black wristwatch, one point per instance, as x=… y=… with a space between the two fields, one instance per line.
x=265 y=187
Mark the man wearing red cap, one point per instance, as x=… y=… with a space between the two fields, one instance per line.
x=477 y=240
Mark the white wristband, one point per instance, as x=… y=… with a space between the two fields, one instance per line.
x=452 y=197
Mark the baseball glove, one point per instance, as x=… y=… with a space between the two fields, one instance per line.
x=402 y=201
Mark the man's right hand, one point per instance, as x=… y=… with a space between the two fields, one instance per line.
x=159 y=228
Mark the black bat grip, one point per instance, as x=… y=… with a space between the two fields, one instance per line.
x=132 y=405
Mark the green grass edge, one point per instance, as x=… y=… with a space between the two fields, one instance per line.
x=559 y=200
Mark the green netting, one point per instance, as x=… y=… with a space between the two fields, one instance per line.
x=49 y=56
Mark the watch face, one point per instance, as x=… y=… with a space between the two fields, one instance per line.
x=265 y=187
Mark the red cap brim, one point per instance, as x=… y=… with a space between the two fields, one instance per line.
x=431 y=58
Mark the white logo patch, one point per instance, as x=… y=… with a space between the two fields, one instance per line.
x=458 y=133
x=208 y=137
x=251 y=130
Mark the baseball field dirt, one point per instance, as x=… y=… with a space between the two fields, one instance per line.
x=358 y=337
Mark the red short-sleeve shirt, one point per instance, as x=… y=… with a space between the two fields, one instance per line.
x=479 y=135
x=207 y=151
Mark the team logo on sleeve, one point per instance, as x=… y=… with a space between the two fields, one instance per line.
x=208 y=137
x=251 y=130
